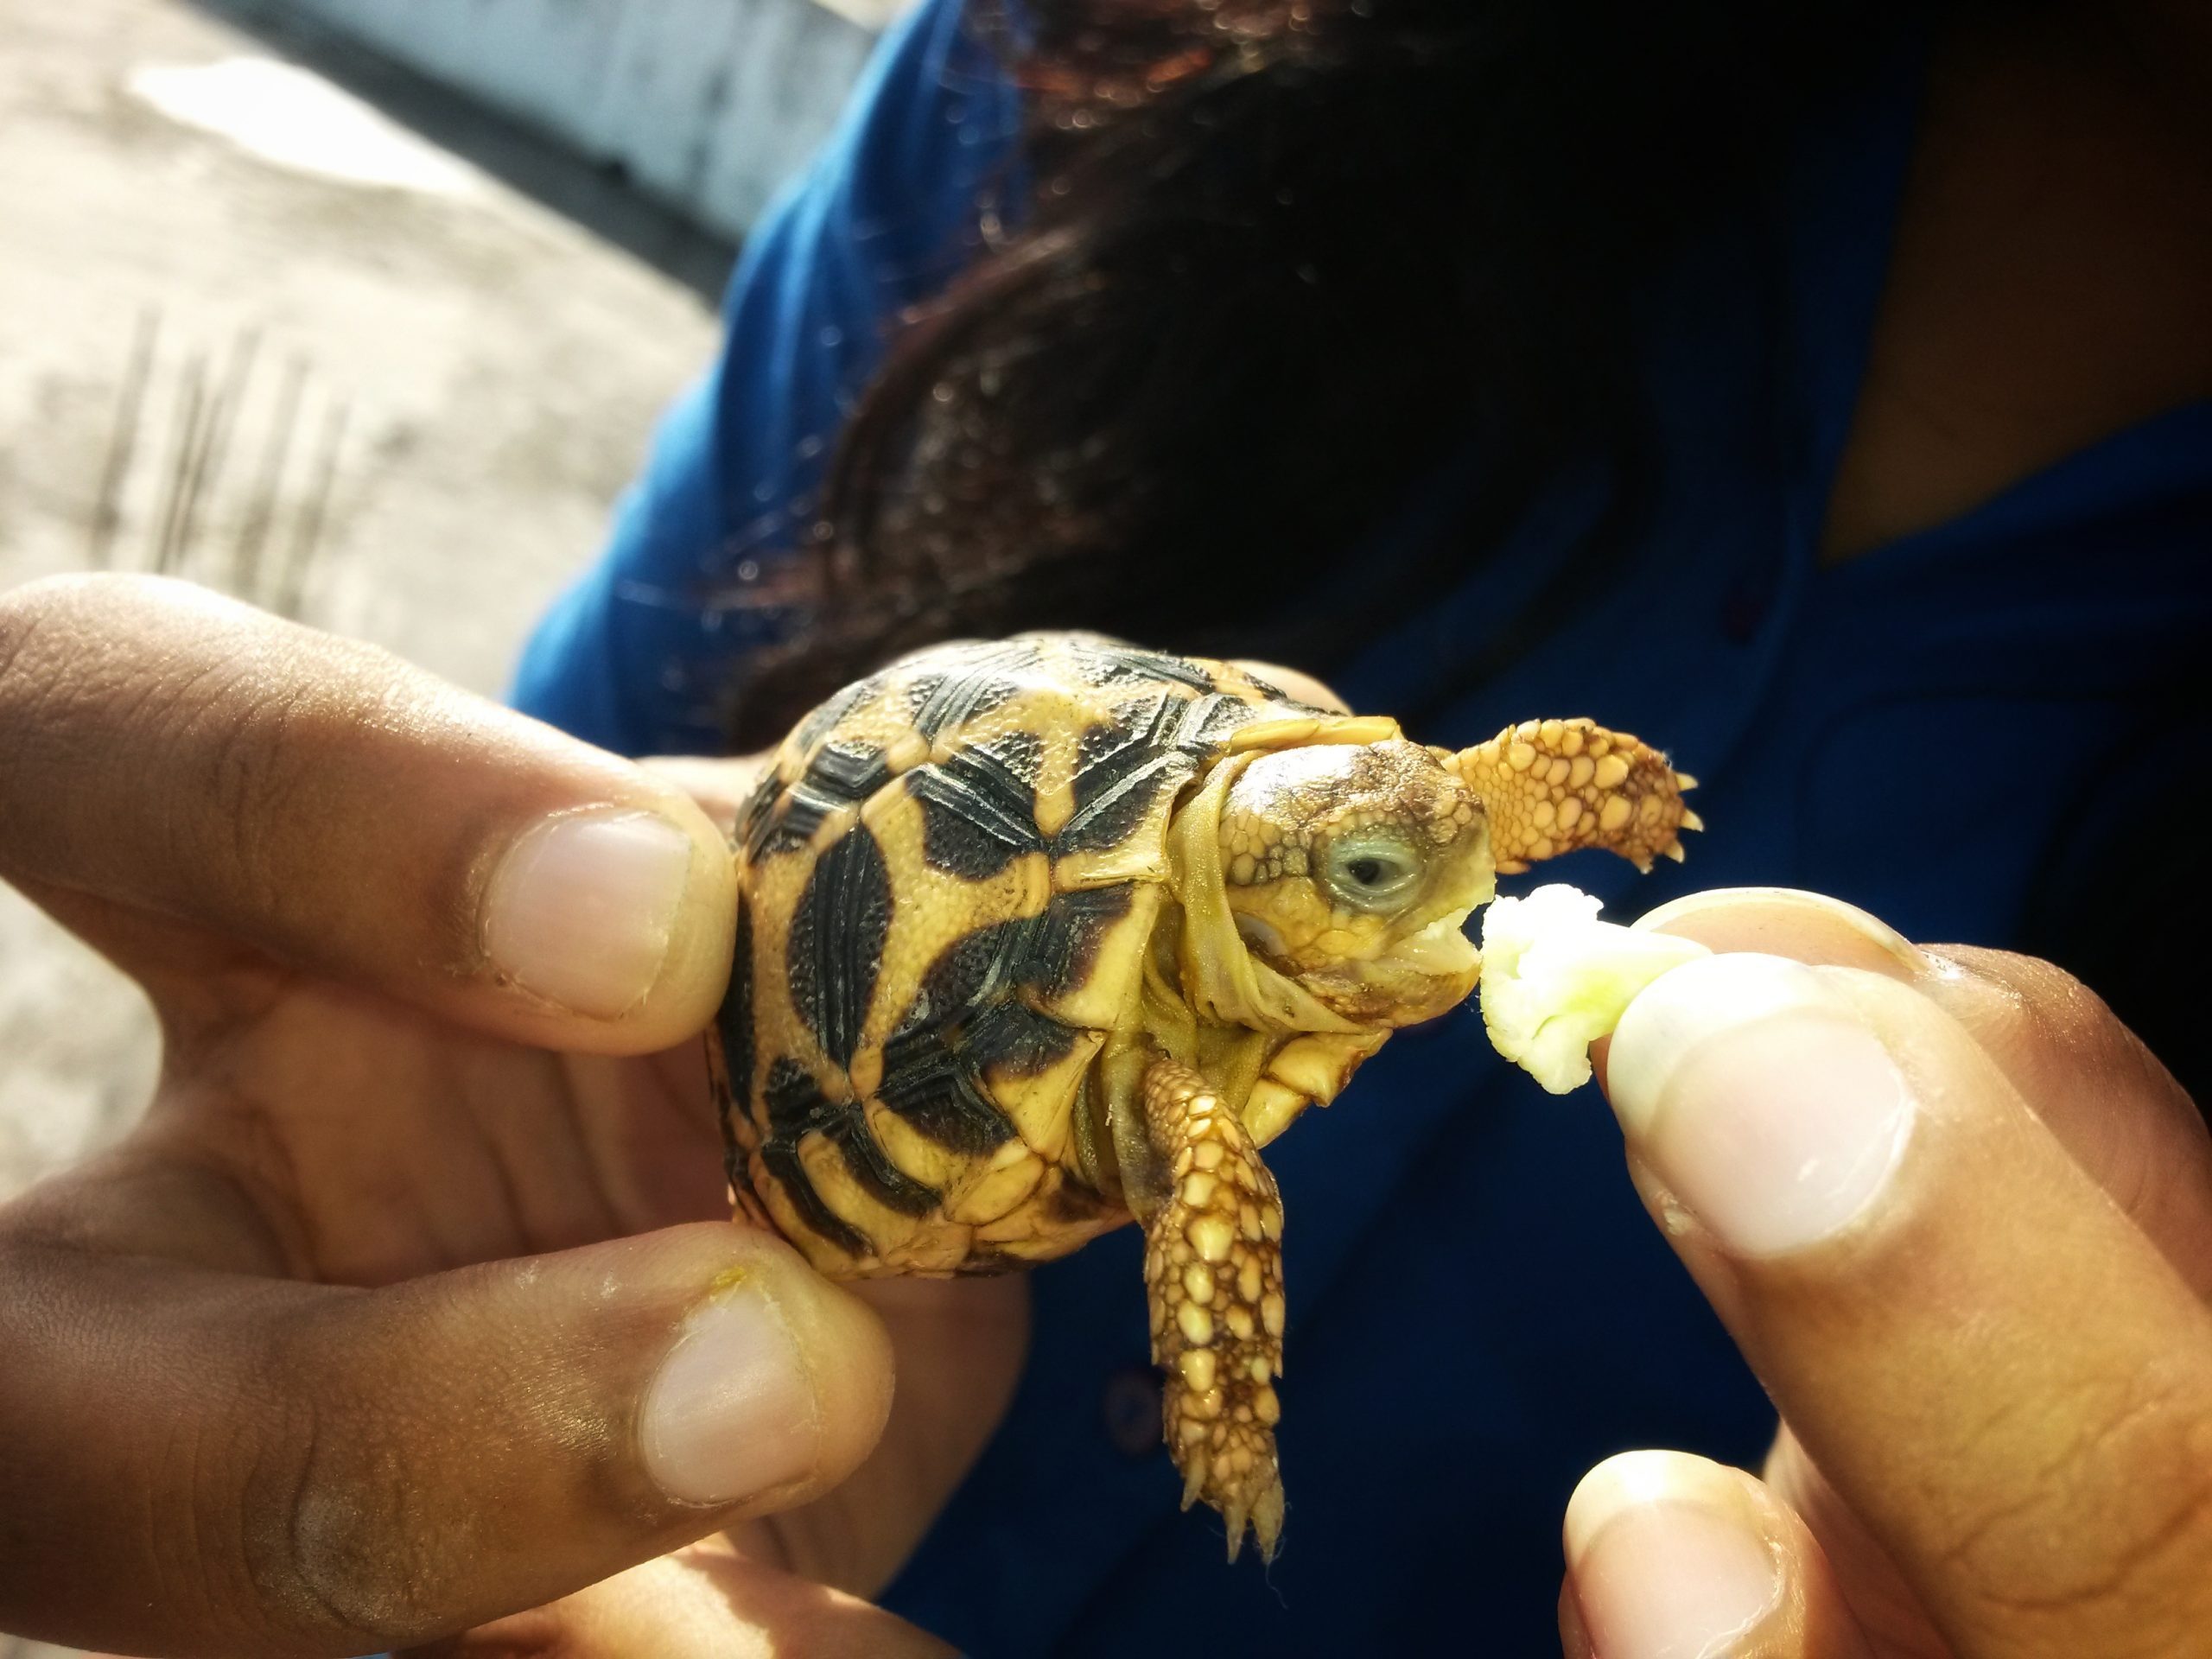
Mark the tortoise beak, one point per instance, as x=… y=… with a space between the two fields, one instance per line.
x=1442 y=950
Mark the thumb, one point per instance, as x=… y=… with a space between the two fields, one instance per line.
x=705 y=1600
x=279 y=1467
x=2072 y=1061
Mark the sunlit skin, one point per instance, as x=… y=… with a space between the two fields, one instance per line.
x=2047 y=291
x=380 y=1198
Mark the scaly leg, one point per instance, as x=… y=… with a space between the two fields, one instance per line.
x=1553 y=785
x=1213 y=1270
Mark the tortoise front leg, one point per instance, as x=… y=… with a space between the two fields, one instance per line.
x=1213 y=1271
x=1553 y=785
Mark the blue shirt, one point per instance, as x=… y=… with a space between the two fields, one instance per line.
x=1478 y=1308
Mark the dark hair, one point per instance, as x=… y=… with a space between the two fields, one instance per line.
x=1274 y=262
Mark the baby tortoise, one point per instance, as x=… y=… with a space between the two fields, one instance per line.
x=1040 y=935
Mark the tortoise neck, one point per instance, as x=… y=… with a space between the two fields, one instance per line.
x=1220 y=978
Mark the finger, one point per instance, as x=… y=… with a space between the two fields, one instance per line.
x=957 y=1346
x=1880 y=1599
x=2056 y=1042
x=1808 y=927
x=1670 y=1555
x=707 y=1602
x=166 y=749
x=284 y=1468
x=2074 y=1064
x=722 y=787
x=1573 y=1631
x=1297 y=683
x=1990 y=1362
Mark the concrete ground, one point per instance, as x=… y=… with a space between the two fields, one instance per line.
x=477 y=373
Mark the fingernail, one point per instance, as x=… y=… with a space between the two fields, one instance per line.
x=581 y=909
x=1790 y=922
x=730 y=1413
x=1759 y=1099
x=1657 y=1576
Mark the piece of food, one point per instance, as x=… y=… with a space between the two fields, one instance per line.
x=1039 y=935
x=1555 y=979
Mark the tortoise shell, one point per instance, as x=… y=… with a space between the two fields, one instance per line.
x=950 y=879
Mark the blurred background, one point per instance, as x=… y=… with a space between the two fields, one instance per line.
x=362 y=309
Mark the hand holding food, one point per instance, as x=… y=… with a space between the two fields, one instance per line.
x=411 y=1301
x=1961 y=1223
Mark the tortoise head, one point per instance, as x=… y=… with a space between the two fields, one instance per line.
x=1351 y=868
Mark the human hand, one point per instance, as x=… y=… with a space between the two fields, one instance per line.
x=1960 y=1222
x=411 y=1302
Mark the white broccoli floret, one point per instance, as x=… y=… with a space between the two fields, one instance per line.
x=1555 y=979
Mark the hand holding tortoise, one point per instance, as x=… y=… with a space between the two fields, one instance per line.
x=414 y=1299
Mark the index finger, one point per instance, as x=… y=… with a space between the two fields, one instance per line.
x=170 y=751
x=1986 y=1357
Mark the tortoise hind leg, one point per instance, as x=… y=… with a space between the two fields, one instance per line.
x=1213 y=1272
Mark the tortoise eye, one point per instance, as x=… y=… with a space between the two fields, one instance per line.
x=1371 y=873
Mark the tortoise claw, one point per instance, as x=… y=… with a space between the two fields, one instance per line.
x=1262 y=1514
x=1266 y=1521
